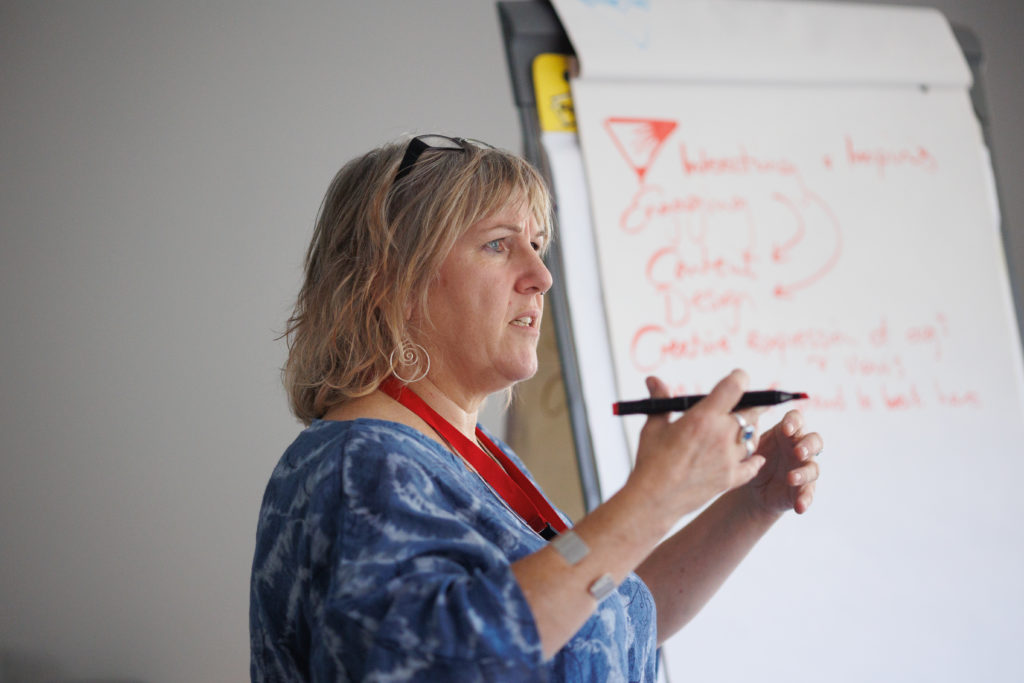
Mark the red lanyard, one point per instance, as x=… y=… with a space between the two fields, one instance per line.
x=506 y=479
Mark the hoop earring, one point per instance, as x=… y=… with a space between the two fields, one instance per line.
x=410 y=354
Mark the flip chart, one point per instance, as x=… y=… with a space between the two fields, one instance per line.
x=770 y=190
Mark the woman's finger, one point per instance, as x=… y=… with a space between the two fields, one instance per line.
x=805 y=474
x=657 y=389
x=727 y=393
x=809 y=446
x=804 y=498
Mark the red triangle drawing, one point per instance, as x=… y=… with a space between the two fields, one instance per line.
x=639 y=140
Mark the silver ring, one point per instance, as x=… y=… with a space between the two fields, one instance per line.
x=746 y=435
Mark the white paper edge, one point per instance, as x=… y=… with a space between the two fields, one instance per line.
x=764 y=41
x=586 y=309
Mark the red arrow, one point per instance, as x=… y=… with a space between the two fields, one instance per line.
x=781 y=252
x=785 y=290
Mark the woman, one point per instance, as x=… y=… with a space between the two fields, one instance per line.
x=396 y=540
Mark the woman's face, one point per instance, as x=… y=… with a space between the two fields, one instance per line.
x=485 y=306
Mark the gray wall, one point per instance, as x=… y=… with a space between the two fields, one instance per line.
x=160 y=169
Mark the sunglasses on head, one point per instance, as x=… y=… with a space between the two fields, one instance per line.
x=421 y=143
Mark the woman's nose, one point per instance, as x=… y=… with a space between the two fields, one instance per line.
x=536 y=276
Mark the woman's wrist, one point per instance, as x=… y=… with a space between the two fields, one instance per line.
x=749 y=503
x=650 y=506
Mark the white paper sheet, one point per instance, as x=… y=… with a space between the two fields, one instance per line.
x=762 y=41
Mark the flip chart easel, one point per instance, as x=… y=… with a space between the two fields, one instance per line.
x=531 y=29
x=896 y=315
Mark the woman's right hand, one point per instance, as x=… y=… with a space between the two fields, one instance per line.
x=682 y=464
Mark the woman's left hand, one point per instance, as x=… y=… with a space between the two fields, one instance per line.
x=787 y=480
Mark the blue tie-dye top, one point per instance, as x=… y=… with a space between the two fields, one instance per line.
x=380 y=557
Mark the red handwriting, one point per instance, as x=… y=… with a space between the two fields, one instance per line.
x=891 y=398
x=901 y=399
x=653 y=345
x=722 y=232
x=680 y=306
x=882 y=158
x=879 y=336
x=648 y=203
x=929 y=334
x=667 y=266
x=781 y=252
x=740 y=163
x=957 y=399
x=864 y=400
x=834 y=400
x=878 y=379
x=864 y=366
x=809 y=339
x=826 y=230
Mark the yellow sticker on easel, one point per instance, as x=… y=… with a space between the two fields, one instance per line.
x=551 y=88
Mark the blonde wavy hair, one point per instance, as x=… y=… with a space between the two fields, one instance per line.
x=376 y=247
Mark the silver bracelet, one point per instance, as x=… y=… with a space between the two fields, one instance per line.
x=603 y=587
x=570 y=546
x=572 y=549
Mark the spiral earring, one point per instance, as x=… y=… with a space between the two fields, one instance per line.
x=410 y=354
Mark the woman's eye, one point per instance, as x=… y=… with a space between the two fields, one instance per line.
x=496 y=245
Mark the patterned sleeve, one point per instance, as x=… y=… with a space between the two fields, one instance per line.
x=411 y=572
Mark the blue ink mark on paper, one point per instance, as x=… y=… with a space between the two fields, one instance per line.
x=640 y=33
x=620 y=4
